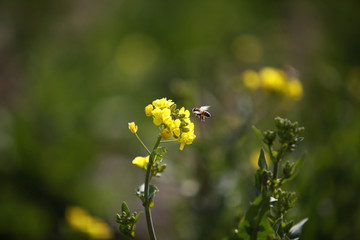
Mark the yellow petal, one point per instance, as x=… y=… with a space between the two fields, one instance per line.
x=141 y=161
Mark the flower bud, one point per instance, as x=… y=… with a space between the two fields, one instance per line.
x=133 y=128
x=288 y=169
x=269 y=137
x=165 y=133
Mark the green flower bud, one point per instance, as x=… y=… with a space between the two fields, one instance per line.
x=269 y=137
x=288 y=169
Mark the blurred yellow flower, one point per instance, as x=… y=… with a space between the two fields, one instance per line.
x=133 y=128
x=273 y=79
x=294 y=89
x=82 y=220
x=141 y=161
x=251 y=79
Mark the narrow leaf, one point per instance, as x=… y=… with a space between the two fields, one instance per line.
x=262 y=161
x=295 y=231
x=261 y=137
x=152 y=191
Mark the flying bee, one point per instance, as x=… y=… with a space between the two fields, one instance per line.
x=202 y=112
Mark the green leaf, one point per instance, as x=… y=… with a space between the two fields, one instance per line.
x=255 y=225
x=137 y=216
x=261 y=137
x=262 y=161
x=156 y=155
x=160 y=151
x=258 y=132
x=152 y=191
x=295 y=231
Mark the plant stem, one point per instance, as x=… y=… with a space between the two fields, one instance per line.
x=276 y=169
x=142 y=144
x=167 y=141
x=275 y=160
x=147 y=202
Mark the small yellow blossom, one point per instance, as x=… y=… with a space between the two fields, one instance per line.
x=273 y=79
x=294 y=89
x=186 y=138
x=148 y=110
x=251 y=79
x=133 y=128
x=157 y=116
x=141 y=161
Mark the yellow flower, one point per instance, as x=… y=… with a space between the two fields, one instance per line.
x=157 y=116
x=186 y=138
x=185 y=112
x=148 y=110
x=162 y=103
x=141 y=161
x=251 y=79
x=294 y=89
x=133 y=128
x=273 y=79
x=176 y=128
x=171 y=121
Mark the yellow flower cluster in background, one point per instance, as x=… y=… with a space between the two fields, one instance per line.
x=274 y=80
x=172 y=121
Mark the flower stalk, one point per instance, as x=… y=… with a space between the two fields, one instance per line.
x=174 y=126
x=147 y=200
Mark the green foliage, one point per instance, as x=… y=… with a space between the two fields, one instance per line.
x=127 y=220
x=255 y=225
x=157 y=168
x=140 y=192
x=265 y=219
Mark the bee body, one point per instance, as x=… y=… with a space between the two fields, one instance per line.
x=202 y=112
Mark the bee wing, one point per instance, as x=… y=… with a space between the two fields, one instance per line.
x=196 y=112
x=204 y=108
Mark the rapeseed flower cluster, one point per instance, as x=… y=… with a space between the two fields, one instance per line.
x=172 y=121
x=273 y=80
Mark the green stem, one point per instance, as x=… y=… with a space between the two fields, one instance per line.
x=142 y=144
x=276 y=169
x=147 y=202
x=276 y=166
x=167 y=141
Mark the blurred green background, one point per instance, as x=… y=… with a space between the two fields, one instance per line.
x=74 y=73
